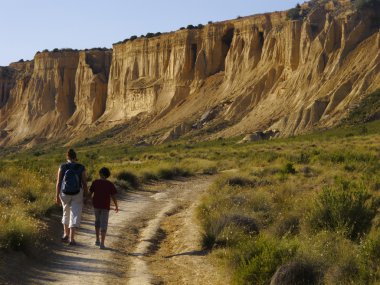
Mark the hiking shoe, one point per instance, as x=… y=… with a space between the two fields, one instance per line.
x=102 y=246
x=97 y=243
x=73 y=243
x=65 y=239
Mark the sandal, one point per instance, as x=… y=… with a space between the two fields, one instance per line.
x=65 y=239
x=73 y=243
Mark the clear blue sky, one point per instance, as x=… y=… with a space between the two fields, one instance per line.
x=29 y=26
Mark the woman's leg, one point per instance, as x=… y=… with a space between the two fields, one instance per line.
x=65 y=216
x=66 y=230
x=75 y=214
x=72 y=234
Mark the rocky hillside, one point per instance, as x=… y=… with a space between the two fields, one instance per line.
x=290 y=71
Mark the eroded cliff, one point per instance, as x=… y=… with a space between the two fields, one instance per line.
x=227 y=78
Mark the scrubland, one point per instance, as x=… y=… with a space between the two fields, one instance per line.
x=302 y=210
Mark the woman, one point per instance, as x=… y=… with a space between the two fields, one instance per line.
x=70 y=189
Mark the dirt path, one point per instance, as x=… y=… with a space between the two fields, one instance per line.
x=154 y=239
x=179 y=258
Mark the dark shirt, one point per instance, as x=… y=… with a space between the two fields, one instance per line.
x=103 y=190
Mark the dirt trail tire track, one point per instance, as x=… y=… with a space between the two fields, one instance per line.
x=179 y=258
x=136 y=254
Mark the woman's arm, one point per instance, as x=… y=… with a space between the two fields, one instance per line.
x=84 y=184
x=58 y=187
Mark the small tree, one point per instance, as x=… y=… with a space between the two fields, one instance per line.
x=294 y=13
x=190 y=27
x=367 y=4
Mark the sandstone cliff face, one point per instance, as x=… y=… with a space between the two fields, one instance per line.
x=149 y=75
x=7 y=80
x=255 y=73
x=91 y=81
x=48 y=92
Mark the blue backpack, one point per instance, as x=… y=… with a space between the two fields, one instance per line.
x=71 y=181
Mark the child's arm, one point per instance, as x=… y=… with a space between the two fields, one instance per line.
x=115 y=202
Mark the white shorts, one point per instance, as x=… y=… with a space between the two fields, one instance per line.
x=72 y=209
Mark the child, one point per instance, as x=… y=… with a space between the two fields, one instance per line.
x=102 y=190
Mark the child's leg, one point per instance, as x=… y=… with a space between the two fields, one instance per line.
x=103 y=236
x=97 y=230
x=97 y=213
x=103 y=225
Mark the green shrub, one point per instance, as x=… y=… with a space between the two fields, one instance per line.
x=222 y=230
x=298 y=272
x=212 y=232
x=347 y=208
x=17 y=233
x=307 y=171
x=289 y=225
x=367 y=110
x=6 y=182
x=303 y=158
x=370 y=258
x=335 y=157
x=288 y=169
x=210 y=170
x=349 y=168
x=149 y=176
x=258 y=259
x=129 y=177
x=241 y=181
x=171 y=173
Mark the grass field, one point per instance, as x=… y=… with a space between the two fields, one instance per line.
x=307 y=204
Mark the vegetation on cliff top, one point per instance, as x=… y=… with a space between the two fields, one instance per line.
x=366 y=4
x=152 y=35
